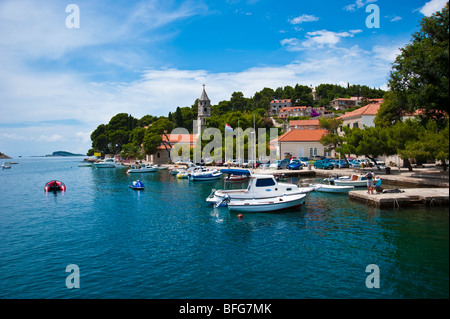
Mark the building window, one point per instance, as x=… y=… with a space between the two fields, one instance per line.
x=158 y=155
x=355 y=124
x=311 y=152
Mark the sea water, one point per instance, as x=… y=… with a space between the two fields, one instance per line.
x=166 y=242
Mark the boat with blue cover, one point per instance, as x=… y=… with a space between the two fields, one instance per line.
x=137 y=185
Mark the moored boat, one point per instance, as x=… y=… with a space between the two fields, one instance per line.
x=54 y=186
x=6 y=165
x=204 y=175
x=354 y=180
x=236 y=175
x=259 y=187
x=108 y=163
x=331 y=188
x=268 y=204
x=143 y=169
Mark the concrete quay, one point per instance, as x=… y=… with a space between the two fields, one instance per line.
x=408 y=197
x=426 y=177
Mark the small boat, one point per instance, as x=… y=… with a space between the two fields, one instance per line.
x=236 y=175
x=108 y=163
x=137 y=185
x=268 y=204
x=6 y=165
x=259 y=187
x=205 y=175
x=326 y=188
x=354 y=180
x=159 y=167
x=143 y=169
x=54 y=186
x=332 y=178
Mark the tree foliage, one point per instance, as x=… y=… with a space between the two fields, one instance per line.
x=419 y=79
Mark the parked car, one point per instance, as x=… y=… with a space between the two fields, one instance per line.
x=355 y=164
x=295 y=164
x=323 y=164
x=304 y=160
x=341 y=164
x=280 y=164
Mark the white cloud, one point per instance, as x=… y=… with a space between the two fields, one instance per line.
x=317 y=39
x=432 y=6
x=396 y=18
x=304 y=18
x=358 y=4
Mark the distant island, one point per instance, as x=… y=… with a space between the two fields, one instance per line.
x=64 y=153
x=4 y=156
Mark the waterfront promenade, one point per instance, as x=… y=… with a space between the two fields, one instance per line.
x=429 y=176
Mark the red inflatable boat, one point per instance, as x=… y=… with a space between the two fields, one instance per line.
x=54 y=186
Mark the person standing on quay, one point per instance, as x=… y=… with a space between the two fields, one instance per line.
x=370 y=186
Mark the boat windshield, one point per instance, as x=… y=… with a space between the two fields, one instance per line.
x=263 y=182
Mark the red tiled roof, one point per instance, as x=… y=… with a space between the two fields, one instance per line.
x=303 y=122
x=182 y=138
x=369 y=109
x=281 y=101
x=301 y=136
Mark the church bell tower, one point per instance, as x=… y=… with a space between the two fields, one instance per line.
x=204 y=110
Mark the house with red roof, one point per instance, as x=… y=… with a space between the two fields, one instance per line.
x=162 y=155
x=299 y=143
x=364 y=116
x=304 y=125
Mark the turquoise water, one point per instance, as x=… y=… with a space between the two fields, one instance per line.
x=166 y=242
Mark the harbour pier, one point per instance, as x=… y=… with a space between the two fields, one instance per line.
x=407 y=197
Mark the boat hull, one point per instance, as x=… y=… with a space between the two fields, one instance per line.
x=351 y=183
x=141 y=170
x=332 y=188
x=268 y=205
x=206 y=177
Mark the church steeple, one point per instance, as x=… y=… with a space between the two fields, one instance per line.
x=204 y=110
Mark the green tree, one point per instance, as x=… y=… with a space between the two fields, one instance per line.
x=153 y=136
x=431 y=143
x=420 y=74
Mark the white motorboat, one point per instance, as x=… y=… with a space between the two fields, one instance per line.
x=6 y=165
x=236 y=175
x=108 y=163
x=159 y=167
x=204 y=175
x=259 y=187
x=332 y=178
x=268 y=204
x=184 y=173
x=142 y=169
x=354 y=180
x=331 y=188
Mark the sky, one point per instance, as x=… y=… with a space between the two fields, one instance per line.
x=69 y=66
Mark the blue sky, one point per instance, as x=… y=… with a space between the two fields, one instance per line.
x=147 y=57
